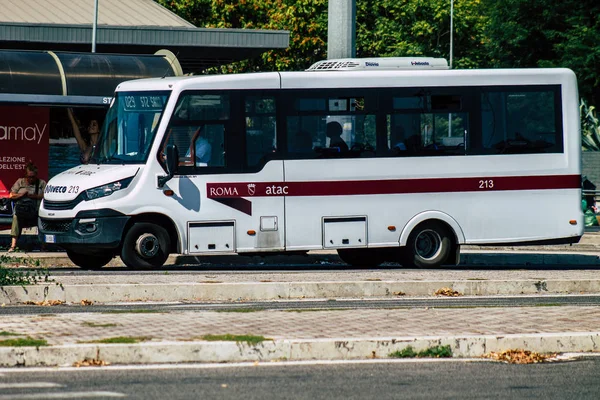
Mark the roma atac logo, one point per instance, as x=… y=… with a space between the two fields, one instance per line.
x=251 y=189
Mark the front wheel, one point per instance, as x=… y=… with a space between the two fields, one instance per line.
x=428 y=245
x=89 y=261
x=146 y=245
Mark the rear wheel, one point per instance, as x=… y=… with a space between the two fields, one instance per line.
x=89 y=261
x=146 y=245
x=428 y=245
x=361 y=257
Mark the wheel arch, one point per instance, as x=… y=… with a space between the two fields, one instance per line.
x=452 y=225
x=158 y=219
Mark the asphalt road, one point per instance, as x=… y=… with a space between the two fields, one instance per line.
x=410 y=380
x=331 y=304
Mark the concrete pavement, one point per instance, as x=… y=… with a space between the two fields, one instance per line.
x=180 y=335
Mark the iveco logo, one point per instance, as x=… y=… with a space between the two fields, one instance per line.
x=371 y=64
x=419 y=63
x=55 y=189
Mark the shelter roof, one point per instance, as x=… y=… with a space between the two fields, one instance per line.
x=128 y=27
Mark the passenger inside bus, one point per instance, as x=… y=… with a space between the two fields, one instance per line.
x=302 y=142
x=397 y=145
x=202 y=149
x=413 y=144
x=334 y=133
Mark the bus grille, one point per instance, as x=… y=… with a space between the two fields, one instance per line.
x=62 y=205
x=55 y=225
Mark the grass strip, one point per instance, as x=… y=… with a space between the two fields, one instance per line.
x=432 y=352
x=122 y=340
x=23 y=342
x=250 y=339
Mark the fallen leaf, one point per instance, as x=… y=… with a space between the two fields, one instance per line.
x=519 y=356
x=87 y=362
x=400 y=293
x=45 y=303
x=447 y=292
x=85 y=302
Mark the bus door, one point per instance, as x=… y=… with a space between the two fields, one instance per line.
x=229 y=193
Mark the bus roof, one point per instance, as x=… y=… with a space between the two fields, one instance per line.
x=361 y=78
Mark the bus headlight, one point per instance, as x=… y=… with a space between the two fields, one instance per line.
x=108 y=189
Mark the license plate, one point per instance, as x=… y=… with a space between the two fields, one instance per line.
x=50 y=238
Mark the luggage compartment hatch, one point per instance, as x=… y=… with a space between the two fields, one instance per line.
x=217 y=237
x=340 y=232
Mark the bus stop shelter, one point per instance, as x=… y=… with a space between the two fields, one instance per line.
x=46 y=65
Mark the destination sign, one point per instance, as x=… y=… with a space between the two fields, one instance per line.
x=142 y=102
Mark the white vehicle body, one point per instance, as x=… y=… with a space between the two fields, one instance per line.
x=507 y=171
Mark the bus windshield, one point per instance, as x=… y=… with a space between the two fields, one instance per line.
x=129 y=128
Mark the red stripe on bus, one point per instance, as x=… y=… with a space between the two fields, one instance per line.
x=391 y=186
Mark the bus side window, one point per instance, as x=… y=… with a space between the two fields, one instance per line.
x=261 y=138
x=519 y=122
x=197 y=128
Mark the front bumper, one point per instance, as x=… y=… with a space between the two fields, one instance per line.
x=86 y=233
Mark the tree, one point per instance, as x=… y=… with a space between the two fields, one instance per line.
x=399 y=28
x=547 y=33
x=384 y=28
x=306 y=20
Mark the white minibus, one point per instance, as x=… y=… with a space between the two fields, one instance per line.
x=381 y=159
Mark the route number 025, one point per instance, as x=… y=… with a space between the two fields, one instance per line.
x=486 y=184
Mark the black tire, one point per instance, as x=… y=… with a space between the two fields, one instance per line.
x=361 y=257
x=146 y=245
x=428 y=246
x=89 y=261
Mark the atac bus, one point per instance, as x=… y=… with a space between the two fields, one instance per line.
x=394 y=159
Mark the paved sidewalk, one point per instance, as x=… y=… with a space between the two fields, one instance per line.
x=177 y=336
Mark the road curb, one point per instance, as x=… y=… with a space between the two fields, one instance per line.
x=291 y=350
x=267 y=291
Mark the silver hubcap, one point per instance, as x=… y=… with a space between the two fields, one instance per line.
x=428 y=244
x=147 y=245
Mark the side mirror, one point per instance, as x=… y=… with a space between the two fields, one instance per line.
x=172 y=162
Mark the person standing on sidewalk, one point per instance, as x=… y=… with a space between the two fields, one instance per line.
x=29 y=189
x=86 y=145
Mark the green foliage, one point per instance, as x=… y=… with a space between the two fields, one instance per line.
x=547 y=33
x=18 y=277
x=250 y=339
x=122 y=340
x=590 y=127
x=393 y=28
x=407 y=352
x=432 y=352
x=95 y=325
x=23 y=342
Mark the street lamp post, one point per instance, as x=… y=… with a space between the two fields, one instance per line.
x=95 y=26
x=451 y=29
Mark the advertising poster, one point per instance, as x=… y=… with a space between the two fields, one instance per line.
x=24 y=137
